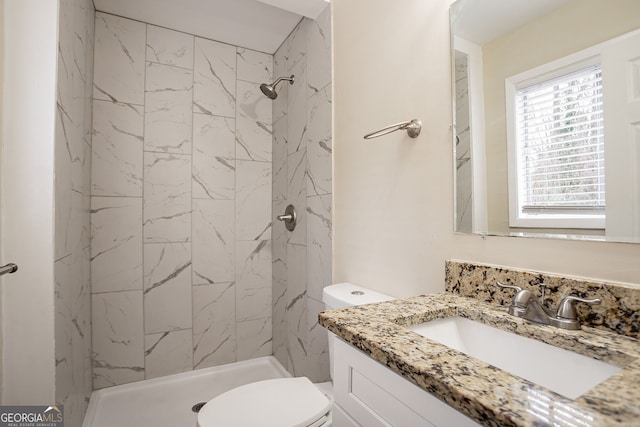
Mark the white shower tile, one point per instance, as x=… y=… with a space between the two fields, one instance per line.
x=167 y=197
x=254 y=338
x=213 y=157
x=297 y=195
x=254 y=66
x=72 y=151
x=297 y=43
x=214 y=78
x=297 y=110
x=296 y=314
x=279 y=291
x=167 y=116
x=319 y=252
x=319 y=52
x=116 y=163
x=319 y=144
x=73 y=382
x=64 y=327
x=280 y=159
x=280 y=70
x=253 y=280
x=279 y=234
x=213 y=241
x=169 y=47
x=317 y=344
x=214 y=324
x=119 y=59
x=253 y=200
x=295 y=308
x=167 y=287
x=297 y=347
x=116 y=244
x=279 y=337
x=253 y=124
x=167 y=353
x=118 y=339
x=70 y=219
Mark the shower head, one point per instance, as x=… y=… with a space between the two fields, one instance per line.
x=270 y=89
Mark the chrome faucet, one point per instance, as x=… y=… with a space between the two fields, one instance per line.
x=526 y=306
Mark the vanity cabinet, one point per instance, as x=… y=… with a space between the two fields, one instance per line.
x=367 y=394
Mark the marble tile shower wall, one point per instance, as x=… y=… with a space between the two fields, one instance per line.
x=464 y=208
x=72 y=187
x=302 y=153
x=180 y=206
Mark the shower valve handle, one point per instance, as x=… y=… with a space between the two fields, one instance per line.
x=289 y=218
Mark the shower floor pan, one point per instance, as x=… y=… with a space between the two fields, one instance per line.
x=167 y=401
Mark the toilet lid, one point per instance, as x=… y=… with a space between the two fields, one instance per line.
x=290 y=402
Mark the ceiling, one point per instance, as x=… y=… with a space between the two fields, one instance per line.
x=482 y=21
x=255 y=24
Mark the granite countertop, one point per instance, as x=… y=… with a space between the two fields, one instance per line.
x=485 y=393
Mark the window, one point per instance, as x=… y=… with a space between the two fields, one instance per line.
x=556 y=148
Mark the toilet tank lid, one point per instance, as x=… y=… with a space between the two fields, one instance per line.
x=347 y=295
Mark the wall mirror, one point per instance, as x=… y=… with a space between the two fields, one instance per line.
x=547 y=118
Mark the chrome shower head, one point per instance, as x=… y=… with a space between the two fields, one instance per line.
x=270 y=89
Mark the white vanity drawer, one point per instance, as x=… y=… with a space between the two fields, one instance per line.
x=375 y=396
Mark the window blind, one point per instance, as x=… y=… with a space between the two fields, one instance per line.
x=560 y=144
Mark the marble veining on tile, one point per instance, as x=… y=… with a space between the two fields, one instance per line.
x=319 y=143
x=72 y=164
x=116 y=163
x=167 y=353
x=214 y=164
x=253 y=124
x=254 y=66
x=181 y=192
x=116 y=244
x=214 y=242
x=214 y=76
x=167 y=116
x=169 y=47
x=119 y=59
x=167 y=197
x=214 y=324
x=118 y=338
x=301 y=157
x=487 y=394
x=253 y=275
x=167 y=287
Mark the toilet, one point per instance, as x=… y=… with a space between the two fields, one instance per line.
x=285 y=402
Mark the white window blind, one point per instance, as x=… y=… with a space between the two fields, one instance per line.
x=560 y=144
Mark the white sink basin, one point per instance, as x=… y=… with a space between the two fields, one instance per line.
x=564 y=372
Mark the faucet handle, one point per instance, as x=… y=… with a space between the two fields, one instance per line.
x=502 y=285
x=567 y=307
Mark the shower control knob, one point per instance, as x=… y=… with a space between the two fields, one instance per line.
x=289 y=218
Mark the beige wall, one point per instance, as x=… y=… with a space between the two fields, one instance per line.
x=393 y=196
x=1 y=83
x=29 y=98
x=537 y=43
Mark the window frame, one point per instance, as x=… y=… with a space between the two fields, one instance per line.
x=545 y=72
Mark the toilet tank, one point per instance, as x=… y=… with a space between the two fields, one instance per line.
x=347 y=295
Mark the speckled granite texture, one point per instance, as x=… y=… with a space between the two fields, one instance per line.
x=489 y=395
x=619 y=310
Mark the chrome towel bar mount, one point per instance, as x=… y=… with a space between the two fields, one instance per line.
x=8 y=269
x=413 y=128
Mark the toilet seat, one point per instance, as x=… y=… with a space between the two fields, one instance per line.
x=282 y=402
